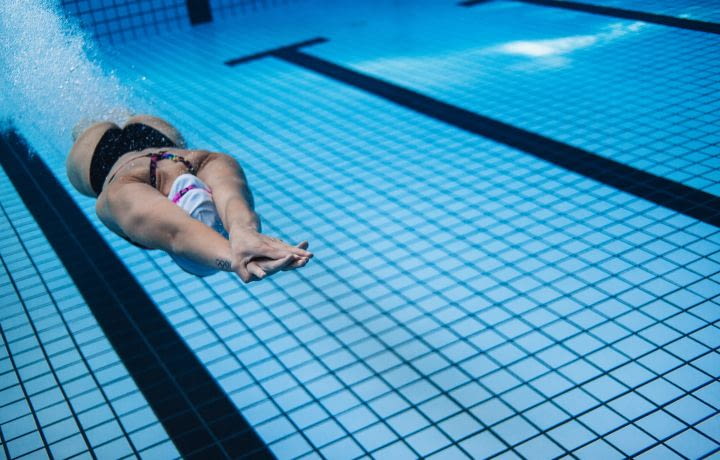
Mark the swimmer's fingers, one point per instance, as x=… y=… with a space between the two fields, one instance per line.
x=256 y=271
x=271 y=266
x=275 y=252
x=290 y=262
x=297 y=263
x=279 y=248
x=242 y=271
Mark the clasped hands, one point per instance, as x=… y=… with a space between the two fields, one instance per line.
x=256 y=256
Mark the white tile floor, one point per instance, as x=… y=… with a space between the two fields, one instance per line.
x=466 y=300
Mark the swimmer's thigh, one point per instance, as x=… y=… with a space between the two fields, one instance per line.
x=161 y=125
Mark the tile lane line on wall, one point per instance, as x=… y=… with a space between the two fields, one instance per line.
x=653 y=18
x=664 y=192
x=199 y=11
x=196 y=413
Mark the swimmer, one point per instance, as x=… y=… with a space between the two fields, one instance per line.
x=193 y=204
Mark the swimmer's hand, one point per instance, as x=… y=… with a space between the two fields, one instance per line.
x=256 y=256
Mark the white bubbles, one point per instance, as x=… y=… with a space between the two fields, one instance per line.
x=48 y=83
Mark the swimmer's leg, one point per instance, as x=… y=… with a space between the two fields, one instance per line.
x=117 y=116
x=80 y=157
x=161 y=125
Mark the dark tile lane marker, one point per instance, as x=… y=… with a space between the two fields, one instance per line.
x=199 y=11
x=661 y=19
x=275 y=51
x=198 y=416
x=664 y=192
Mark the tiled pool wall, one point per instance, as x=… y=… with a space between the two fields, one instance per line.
x=121 y=20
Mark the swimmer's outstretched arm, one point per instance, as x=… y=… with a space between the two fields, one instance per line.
x=234 y=203
x=149 y=218
x=231 y=194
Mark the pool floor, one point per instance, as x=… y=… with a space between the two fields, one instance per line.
x=471 y=295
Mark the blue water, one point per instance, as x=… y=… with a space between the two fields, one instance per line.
x=703 y=10
x=466 y=300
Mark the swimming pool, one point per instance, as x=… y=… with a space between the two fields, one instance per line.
x=514 y=213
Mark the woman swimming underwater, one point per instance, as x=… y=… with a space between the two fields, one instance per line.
x=193 y=204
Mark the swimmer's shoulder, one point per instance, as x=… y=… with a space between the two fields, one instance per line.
x=198 y=157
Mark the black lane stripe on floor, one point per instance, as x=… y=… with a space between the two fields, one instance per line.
x=198 y=416
x=275 y=51
x=664 y=192
x=661 y=19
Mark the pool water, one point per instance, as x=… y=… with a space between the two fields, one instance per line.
x=467 y=299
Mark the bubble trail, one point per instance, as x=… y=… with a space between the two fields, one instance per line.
x=48 y=81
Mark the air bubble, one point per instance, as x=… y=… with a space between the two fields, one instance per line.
x=47 y=81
